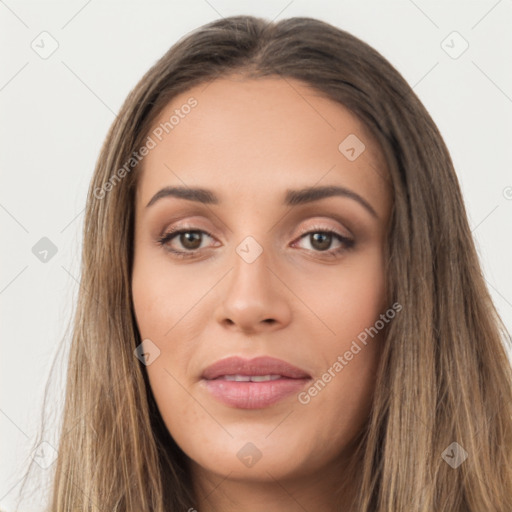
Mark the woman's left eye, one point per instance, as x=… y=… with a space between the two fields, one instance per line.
x=191 y=240
x=321 y=241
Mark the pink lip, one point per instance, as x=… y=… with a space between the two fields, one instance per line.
x=253 y=395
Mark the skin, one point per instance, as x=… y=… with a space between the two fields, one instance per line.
x=249 y=141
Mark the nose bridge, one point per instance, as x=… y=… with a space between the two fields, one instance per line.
x=250 y=273
x=254 y=255
x=253 y=297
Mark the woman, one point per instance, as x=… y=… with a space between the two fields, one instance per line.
x=281 y=306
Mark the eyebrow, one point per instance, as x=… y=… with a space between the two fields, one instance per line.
x=292 y=197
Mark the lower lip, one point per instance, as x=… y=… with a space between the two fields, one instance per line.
x=253 y=395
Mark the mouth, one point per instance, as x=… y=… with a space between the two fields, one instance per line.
x=255 y=383
x=250 y=378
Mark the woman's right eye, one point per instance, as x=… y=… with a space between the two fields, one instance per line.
x=187 y=238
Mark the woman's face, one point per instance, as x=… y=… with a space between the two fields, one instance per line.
x=266 y=268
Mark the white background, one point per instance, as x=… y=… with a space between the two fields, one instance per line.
x=55 y=113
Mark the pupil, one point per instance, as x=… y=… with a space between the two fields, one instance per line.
x=191 y=236
x=324 y=238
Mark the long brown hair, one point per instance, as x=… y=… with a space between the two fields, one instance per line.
x=444 y=376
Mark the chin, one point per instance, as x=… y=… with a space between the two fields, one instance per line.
x=261 y=460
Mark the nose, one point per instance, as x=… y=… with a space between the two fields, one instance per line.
x=256 y=299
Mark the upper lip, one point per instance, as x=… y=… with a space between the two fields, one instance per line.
x=263 y=365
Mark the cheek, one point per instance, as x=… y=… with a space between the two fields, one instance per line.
x=348 y=298
x=169 y=312
x=350 y=304
x=163 y=312
x=163 y=296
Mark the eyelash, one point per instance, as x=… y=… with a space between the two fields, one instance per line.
x=173 y=233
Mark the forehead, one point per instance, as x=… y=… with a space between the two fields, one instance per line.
x=260 y=136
